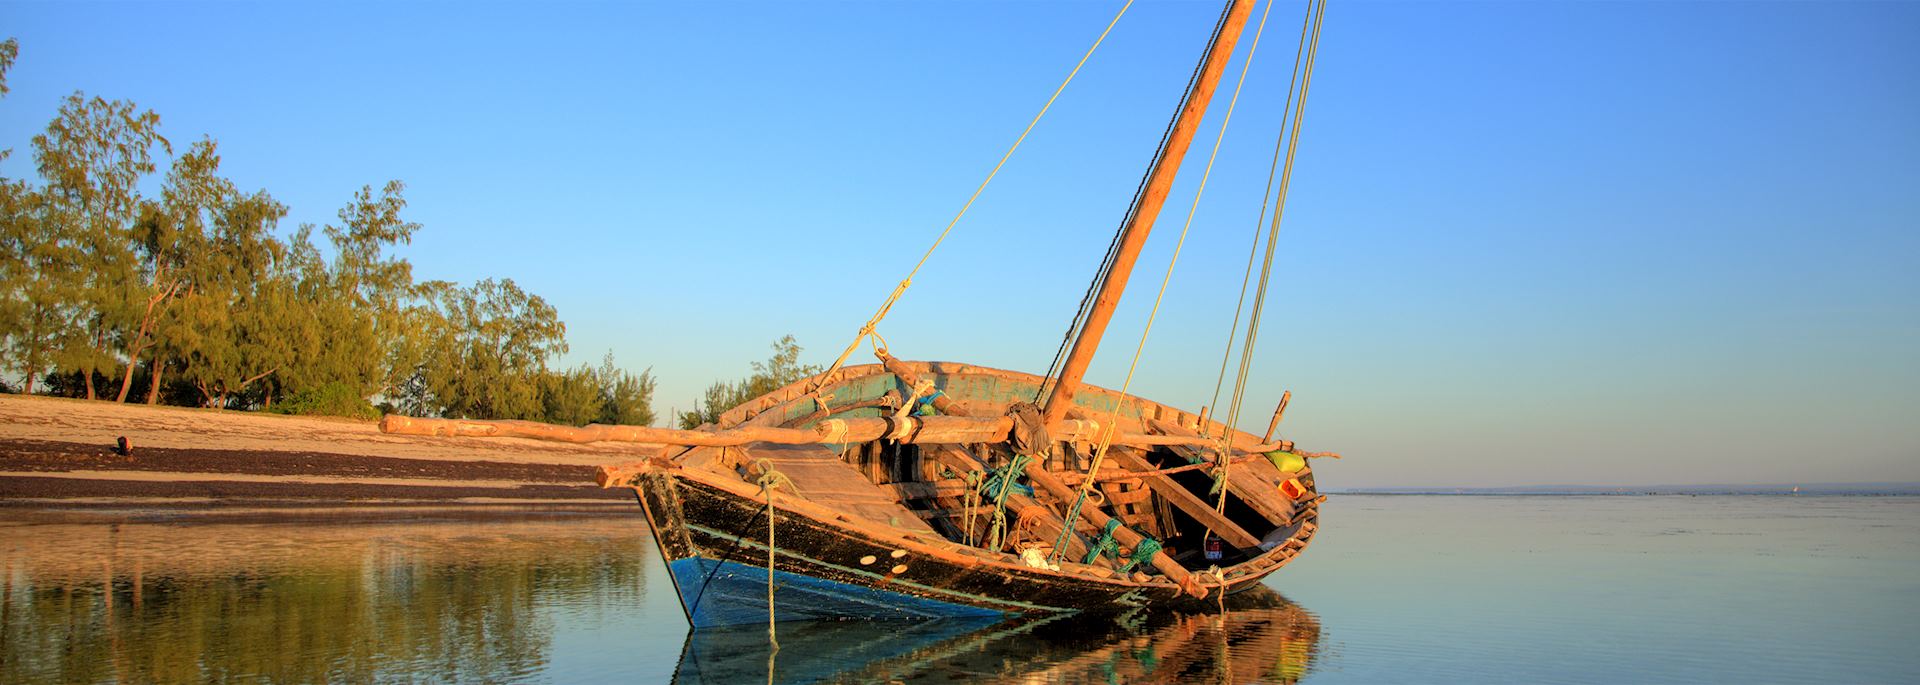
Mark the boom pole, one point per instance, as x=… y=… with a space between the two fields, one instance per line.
x=1113 y=283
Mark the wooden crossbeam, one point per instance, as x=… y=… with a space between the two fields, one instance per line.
x=1183 y=498
x=1243 y=480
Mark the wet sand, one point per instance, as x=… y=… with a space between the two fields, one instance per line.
x=61 y=452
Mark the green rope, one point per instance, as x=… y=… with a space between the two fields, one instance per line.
x=1111 y=547
x=1141 y=553
x=1066 y=529
x=997 y=484
x=999 y=480
x=1106 y=543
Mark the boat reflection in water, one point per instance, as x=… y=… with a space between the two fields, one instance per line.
x=1262 y=638
x=384 y=595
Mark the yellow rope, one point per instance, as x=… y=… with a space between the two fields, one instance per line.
x=1279 y=143
x=908 y=281
x=1279 y=211
x=1106 y=436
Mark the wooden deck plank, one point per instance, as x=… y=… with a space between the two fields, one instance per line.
x=820 y=476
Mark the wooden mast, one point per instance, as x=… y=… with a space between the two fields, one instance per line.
x=1114 y=282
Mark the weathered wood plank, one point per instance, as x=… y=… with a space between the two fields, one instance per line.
x=1244 y=480
x=820 y=476
x=1186 y=501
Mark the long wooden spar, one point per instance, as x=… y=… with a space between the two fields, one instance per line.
x=921 y=430
x=1113 y=283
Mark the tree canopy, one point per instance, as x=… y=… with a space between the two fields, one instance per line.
x=199 y=297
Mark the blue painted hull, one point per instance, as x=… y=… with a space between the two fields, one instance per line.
x=717 y=594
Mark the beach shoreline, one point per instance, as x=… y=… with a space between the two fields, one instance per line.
x=63 y=453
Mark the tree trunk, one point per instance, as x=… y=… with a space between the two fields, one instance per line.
x=153 y=390
x=126 y=381
x=33 y=370
x=140 y=339
x=88 y=374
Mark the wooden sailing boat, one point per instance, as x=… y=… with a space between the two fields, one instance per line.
x=895 y=490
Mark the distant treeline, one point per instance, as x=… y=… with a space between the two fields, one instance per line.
x=778 y=371
x=194 y=297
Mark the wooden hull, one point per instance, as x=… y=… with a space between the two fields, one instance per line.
x=715 y=545
x=832 y=563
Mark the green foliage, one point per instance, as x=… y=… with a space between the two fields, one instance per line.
x=8 y=51
x=197 y=296
x=625 y=399
x=571 y=397
x=604 y=395
x=331 y=399
x=488 y=352
x=69 y=244
x=778 y=371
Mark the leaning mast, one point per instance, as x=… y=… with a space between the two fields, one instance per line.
x=1113 y=282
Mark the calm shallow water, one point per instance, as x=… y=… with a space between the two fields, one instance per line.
x=1395 y=589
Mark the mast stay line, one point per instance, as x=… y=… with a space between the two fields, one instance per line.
x=907 y=282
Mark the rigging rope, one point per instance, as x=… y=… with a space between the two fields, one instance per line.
x=1260 y=222
x=1279 y=211
x=908 y=281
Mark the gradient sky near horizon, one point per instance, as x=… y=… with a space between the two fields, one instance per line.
x=1527 y=242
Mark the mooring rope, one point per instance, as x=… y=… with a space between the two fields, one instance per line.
x=770 y=478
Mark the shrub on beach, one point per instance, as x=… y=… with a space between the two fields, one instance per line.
x=331 y=399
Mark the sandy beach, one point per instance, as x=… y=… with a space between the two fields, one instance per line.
x=56 y=452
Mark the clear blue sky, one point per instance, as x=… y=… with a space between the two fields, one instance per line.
x=1539 y=242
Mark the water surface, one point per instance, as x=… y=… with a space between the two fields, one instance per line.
x=1395 y=589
